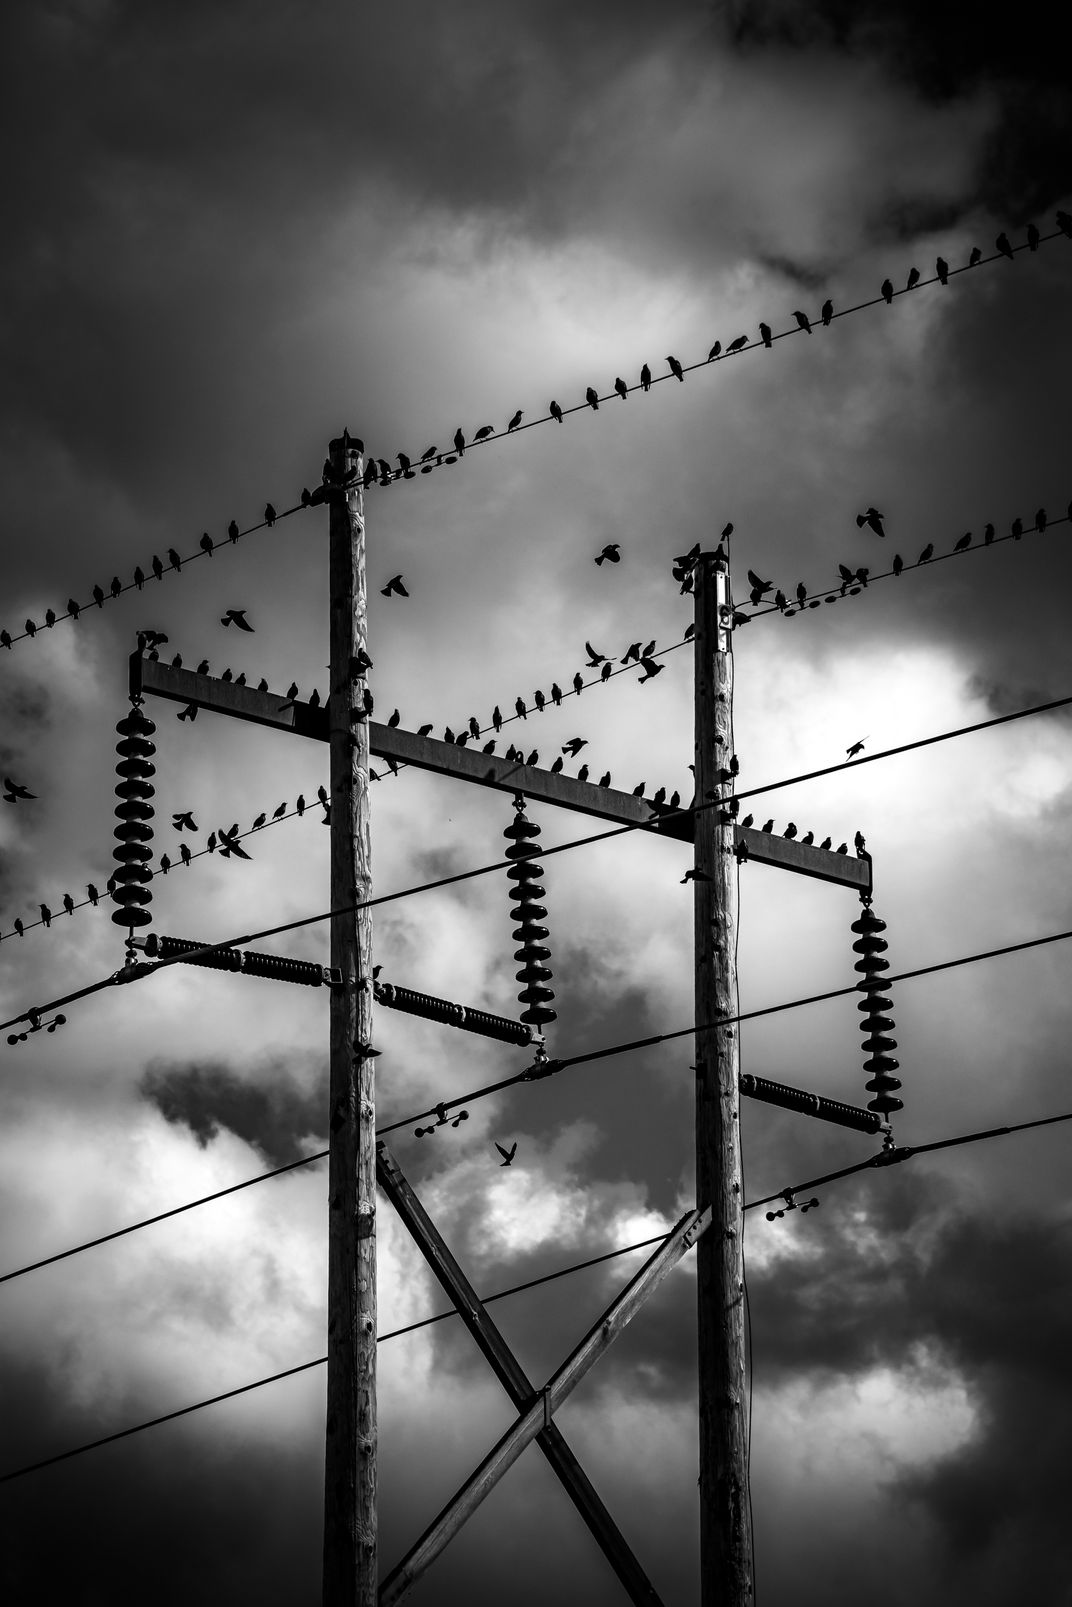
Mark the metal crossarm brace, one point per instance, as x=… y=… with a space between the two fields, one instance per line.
x=512 y=1377
x=531 y=1422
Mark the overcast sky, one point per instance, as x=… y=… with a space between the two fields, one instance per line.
x=232 y=230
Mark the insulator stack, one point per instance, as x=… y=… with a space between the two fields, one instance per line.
x=524 y=894
x=876 y=1021
x=134 y=813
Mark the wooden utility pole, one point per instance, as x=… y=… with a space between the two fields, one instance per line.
x=725 y=1526
x=350 y=1574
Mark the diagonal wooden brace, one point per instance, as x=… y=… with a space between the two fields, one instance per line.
x=529 y=1425
x=513 y=1378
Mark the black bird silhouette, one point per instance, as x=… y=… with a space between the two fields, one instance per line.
x=228 y=675
x=424 y=730
x=676 y=369
x=210 y=842
x=557 y=766
x=173 y=558
x=594 y=657
x=857 y=747
x=237 y=616
x=185 y=854
x=747 y=821
x=604 y=780
x=394 y=585
x=591 y=396
x=768 y=825
x=927 y=554
x=269 y=514
x=781 y=601
x=649 y=650
x=1004 y=245
x=790 y=831
x=448 y=734
x=761 y=586
x=394 y=718
x=519 y=709
x=941 y=268
x=827 y=312
x=555 y=412
x=299 y=804
x=606 y=671
x=157 y=567
x=631 y=652
x=765 y=334
x=621 y=387
x=262 y=685
x=804 y=321
x=658 y=797
x=497 y=719
x=975 y=256
x=507 y=1154
x=404 y=464
x=611 y=553
x=1064 y=223
x=322 y=794
x=556 y=694
x=229 y=845
x=94 y=896
x=826 y=842
x=537 y=697
x=46 y=914
x=1040 y=519
x=860 y=842
x=574 y=746
x=73 y=608
x=489 y=747
x=292 y=689
x=116 y=587
x=459 y=442
x=582 y=774
x=872 y=519
x=988 y=535
x=13 y=791
x=887 y=291
x=68 y=903
x=578 y=683
x=206 y=543
x=716 y=351
x=165 y=864
x=695 y=876
x=233 y=531
x=483 y=432
x=645 y=378
x=514 y=422
x=808 y=838
x=188 y=713
x=913 y=279
x=965 y=541
x=139 y=576
x=184 y=819
x=638 y=792
x=898 y=563
x=802 y=593
x=259 y=822
x=651 y=670
x=30 y=628
x=1017 y=529
x=277 y=814
x=98 y=596
x=431 y=452
x=5 y=638
x=20 y=929
x=861 y=576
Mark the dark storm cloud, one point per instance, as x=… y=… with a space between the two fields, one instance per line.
x=265 y=1107
x=945 y=55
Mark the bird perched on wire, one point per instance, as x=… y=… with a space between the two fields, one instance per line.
x=827 y=312
x=651 y=670
x=898 y=563
x=507 y=1154
x=556 y=694
x=394 y=585
x=611 y=553
x=975 y=256
x=645 y=378
x=765 y=334
x=965 y=541
x=116 y=587
x=927 y=554
x=185 y=854
x=887 y=291
x=574 y=746
x=676 y=369
x=1004 y=245
x=716 y=351
x=555 y=412
x=621 y=387
x=738 y=345
x=803 y=321
x=269 y=514
x=872 y=519
x=591 y=396
x=13 y=791
x=237 y=616
x=913 y=279
x=520 y=709
x=514 y=422
x=496 y=719
x=941 y=268
x=68 y=903
x=483 y=432
x=578 y=683
x=206 y=543
x=606 y=672
x=537 y=697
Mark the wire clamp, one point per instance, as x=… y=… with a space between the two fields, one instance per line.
x=789 y=1196
x=442 y=1120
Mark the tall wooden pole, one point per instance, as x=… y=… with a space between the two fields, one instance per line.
x=350 y=1577
x=725 y=1530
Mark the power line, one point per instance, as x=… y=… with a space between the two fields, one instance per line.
x=302 y=1367
x=130 y=974
x=883 y=1159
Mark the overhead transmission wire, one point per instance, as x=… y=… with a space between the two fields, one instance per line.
x=882 y=1159
x=651 y=825
x=1064 y=229
x=555 y=1066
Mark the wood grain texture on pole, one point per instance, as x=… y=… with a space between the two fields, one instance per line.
x=725 y=1529
x=350 y=1565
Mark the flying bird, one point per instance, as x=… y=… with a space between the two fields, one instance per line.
x=594 y=658
x=184 y=819
x=857 y=747
x=507 y=1154
x=941 y=268
x=651 y=670
x=188 y=713
x=645 y=378
x=574 y=746
x=676 y=369
x=394 y=585
x=631 y=652
x=13 y=791
x=592 y=398
x=514 y=422
x=237 y=616
x=1004 y=245
x=229 y=845
x=872 y=519
x=611 y=553
x=765 y=334
x=555 y=412
x=827 y=312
